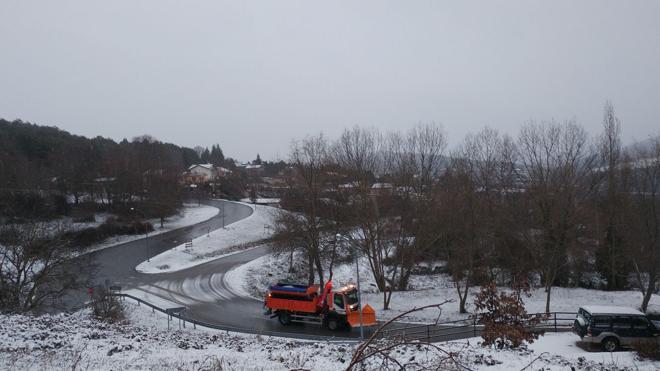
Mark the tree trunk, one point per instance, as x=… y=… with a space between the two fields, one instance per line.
x=319 y=271
x=291 y=261
x=405 y=278
x=461 y=305
x=310 y=273
x=548 y=289
x=462 y=297
x=387 y=295
x=465 y=295
x=649 y=291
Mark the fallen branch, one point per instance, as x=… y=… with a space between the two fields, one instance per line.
x=359 y=355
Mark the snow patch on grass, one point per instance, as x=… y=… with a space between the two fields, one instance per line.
x=77 y=341
x=253 y=279
x=190 y=215
x=235 y=237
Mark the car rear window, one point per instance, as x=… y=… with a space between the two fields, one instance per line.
x=586 y=315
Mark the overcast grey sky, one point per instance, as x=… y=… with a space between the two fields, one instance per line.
x=253 y=75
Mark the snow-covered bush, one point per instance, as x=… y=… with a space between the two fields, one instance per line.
x=34 y=267
x=106 y=307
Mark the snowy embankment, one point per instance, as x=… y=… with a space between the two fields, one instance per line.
x=190 y=214
x=253 y=279
x=233 y=238
x=76 y=341
x=261 y=201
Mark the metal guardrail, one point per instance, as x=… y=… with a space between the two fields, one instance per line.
x=181 y=315
x=472 y=327
x=438 y=332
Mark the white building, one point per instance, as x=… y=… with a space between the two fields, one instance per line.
x=202 y=173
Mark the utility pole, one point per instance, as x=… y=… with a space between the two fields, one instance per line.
x=146 y=245
x=357 y=273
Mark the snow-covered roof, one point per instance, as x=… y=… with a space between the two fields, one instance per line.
x=606 y=309
x=224 y=170
x=349 y=185
x=253 y=166
x=105 y=179
x=381 y=185
x=207 y=166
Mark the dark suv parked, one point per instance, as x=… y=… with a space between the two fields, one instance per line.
x=613 y=327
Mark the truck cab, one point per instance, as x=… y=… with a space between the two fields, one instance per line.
x=344 y=299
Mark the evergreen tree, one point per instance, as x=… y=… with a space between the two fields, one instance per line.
x=206 y=156
x=216 y=157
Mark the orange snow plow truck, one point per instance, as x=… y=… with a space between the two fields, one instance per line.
x=334 y=309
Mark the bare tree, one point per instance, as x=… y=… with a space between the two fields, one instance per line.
x=477 y=181
x=556 y=165
x=35 y=267
x=199 y=150
x=290 y=238
x=382 y=353
x=610 y=257
x=643 y=219
x=362 y=154
x=459 y=211
x=391 y=198
x=309 y=159
x=416 y=162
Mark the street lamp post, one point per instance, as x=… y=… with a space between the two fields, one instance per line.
x=146 y=244
x=357 y=273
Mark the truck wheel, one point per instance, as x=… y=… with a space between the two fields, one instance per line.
x=333 y=324
x=284 y=318
x=610 y=344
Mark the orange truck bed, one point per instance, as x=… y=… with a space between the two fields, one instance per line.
x=295 y=298
x=292 y=305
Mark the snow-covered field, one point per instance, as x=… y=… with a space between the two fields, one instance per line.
x=76 y=341
x=189 y=215
x=253 y=279
x=221 y=242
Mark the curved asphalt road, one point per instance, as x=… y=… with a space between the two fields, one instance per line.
x=201 y=289
x=117 y=264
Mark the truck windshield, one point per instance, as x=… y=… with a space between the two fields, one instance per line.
x=351 y=297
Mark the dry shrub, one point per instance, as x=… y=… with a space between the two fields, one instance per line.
x=106 y=307
x=505 y=319
x=648 y=350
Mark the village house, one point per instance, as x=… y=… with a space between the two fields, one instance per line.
x=203 y=173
